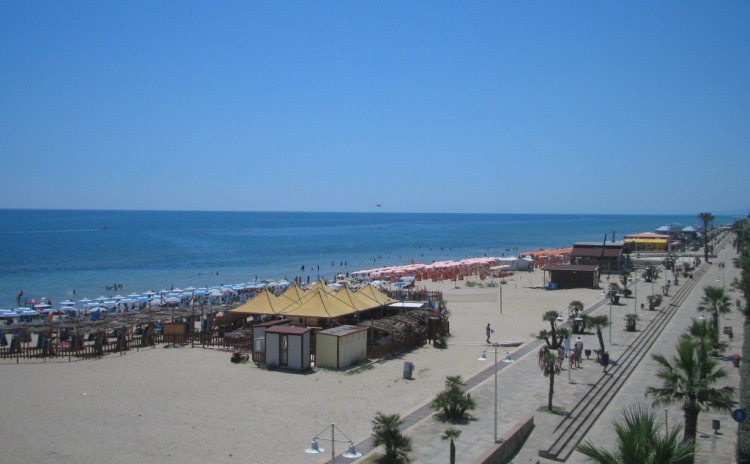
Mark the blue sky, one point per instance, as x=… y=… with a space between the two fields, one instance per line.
x=486 y=106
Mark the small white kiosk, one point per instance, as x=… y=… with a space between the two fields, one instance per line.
x=259 y=338
x=340 y=347
x=288 y=347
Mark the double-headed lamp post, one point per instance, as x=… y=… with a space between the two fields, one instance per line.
x=351 y=453
x=508 y=359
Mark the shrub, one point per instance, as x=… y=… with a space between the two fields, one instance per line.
x=453 y=403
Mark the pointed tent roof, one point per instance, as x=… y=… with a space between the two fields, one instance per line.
x=291 y=297
x=264 y=302
x=356 y=301
x=318 y=285
x=379 y=298
x=320 y=304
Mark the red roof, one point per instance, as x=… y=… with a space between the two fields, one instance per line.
x=596 y=252
x=570 y=267
x=288 y=330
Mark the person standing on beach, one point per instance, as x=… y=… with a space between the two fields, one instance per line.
x=18 y=297
x=489 y=332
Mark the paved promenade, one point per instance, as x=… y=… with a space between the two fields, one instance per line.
x=595 y=399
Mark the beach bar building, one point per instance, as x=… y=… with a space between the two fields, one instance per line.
x=340 y=347
x=288 y=347
x=563 y=276
x=609 y=256
x=648 y=241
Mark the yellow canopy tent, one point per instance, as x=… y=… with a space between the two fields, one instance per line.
x=372 y=293
x=320 y=304
x=352 y=300
x=319 y=285
x=264 y=303
x=291 y=297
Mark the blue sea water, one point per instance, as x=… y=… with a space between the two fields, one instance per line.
x=53 y=253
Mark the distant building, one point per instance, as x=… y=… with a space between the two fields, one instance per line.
x=563 y=276
x=648 y=241
x=609 y=256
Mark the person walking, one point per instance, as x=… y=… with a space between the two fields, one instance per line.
x=579 y=351
x=489 y=332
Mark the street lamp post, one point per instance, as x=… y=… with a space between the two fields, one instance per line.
x=508 y=359
x=610 y=320
x=351 y=453
x=501 y=297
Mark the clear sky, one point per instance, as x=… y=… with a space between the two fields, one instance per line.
x=483 y=106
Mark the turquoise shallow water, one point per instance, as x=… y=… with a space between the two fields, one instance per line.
x=54 y=252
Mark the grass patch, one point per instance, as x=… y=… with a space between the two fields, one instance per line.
x=378 y=458
x=558 y=410
x=360 y=369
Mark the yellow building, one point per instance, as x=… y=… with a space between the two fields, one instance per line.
x=648 y=241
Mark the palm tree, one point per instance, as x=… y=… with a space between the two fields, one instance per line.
x=599 y=323
x=706 y=219
x=651 y=273
x=716 y=301
x=575 y=307
x=554 y=337
x=452 y=434
x=385 y=431
x=639 y=440
x=689 y=379
x=453 y=402
x=614 y=292
x=550 y=368
x=708 y=335
x=740 y=235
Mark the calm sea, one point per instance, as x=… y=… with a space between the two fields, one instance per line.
x=53 y=253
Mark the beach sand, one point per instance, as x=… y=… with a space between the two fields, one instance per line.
x=189 y=405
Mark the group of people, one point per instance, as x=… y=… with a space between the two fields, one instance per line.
x=564 y=351
x=576 y=353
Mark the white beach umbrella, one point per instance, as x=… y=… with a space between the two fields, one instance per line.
x=68 y=303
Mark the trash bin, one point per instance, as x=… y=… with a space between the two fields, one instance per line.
x=736 y=360
x=408 y=370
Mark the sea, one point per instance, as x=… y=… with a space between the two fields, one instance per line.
x=76 y=254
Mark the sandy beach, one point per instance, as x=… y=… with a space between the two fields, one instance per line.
x=181 y=405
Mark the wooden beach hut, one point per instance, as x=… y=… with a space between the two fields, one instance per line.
x=609 y=256
x=341 y=347
x=288 y=347
x=562 y=276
